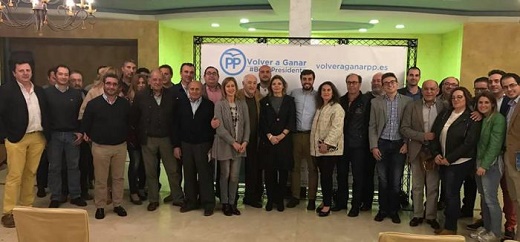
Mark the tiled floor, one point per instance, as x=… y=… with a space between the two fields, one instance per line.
x=296 y=224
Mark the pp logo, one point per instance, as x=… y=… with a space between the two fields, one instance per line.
x=232 y=61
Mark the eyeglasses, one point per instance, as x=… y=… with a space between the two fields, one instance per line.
x=352 y=83
x=392 y=82
x=510 y=86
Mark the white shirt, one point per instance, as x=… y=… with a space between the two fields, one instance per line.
x=33 y=108
x=195 y=105
x=444 y=134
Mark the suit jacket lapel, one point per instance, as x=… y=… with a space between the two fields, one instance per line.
x=418 y=110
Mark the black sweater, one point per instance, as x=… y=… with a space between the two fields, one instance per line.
x=104 y=123
x=63 y=109
x=194 y=128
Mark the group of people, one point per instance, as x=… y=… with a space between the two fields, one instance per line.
x=444 y=133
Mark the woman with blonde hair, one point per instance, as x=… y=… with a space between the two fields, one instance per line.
x=231 y=139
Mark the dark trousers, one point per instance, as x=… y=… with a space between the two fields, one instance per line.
x=86 y=167
x=326 y=168
x=135 y=181
x=452 y=177
x=367 y=194
x=355 y=158
x=42 y=174
x=253 y=179
x=275 y=183
x=389 y=170
x=470 y=194
x=198 y=175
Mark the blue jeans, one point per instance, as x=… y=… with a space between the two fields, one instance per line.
x=488 y=188
x=452 y=177
x=390 y=170
x=63 y=142
x=136 y=160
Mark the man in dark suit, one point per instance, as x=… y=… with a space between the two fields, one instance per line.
x=152 y=115
x=387 y=145
x=187 y=73
x=22 y=122
x=193 y=142
x=418 y=118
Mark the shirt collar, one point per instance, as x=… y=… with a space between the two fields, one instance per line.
x=60 y=89
x=22 y=87
x=106 y=99
x=433 y=104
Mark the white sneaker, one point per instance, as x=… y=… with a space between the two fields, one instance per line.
x=488 y=237
x=480 y=231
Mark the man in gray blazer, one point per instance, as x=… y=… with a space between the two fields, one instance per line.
x=418 y=118
x=387 y=145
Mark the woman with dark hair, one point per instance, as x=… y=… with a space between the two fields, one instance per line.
x=327 y=139
x=454 y=149
x=489 y=167
x=229 y=146
x=277 y=121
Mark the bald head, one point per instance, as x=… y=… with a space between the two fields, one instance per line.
x=377 y=85
x=430 y=89
x=195 y=90
x=156 y=80
x=249 y=82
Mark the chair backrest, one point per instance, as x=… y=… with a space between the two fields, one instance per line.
x=51 y=224
x=404 y=237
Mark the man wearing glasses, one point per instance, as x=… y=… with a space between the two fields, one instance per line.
x=447 y=85
x=387 y=146
x=418 y=118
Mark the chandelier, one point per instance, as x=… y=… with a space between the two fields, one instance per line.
x=64 y=14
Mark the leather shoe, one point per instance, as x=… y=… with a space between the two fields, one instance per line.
x=168 y=199
x=86 y=196
x=178 y=204
x=415 y=222
x=8 y=220
x=235 y=210
x=293 y=202
x=227 y=210
x=208 y=211
x=152 y=206
x=380 y=216
x=186 y=208
x=100 y=213
x=78 y=202
x=280 y=207
x=354 y=212
x=54 y=204
x=311 y=204
x=121 y=212
x=395 y=218
x=433 y=223
x=269 y=206
x=324 y=214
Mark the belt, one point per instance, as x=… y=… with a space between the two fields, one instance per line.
x=302 y=132
x=392 y=141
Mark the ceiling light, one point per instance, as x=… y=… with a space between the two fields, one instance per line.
x=251 y=29
x=399 y=26
x=374 y=21
x=362 y=30
x=24 y=13
x=244 y=20
x=215 y=25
